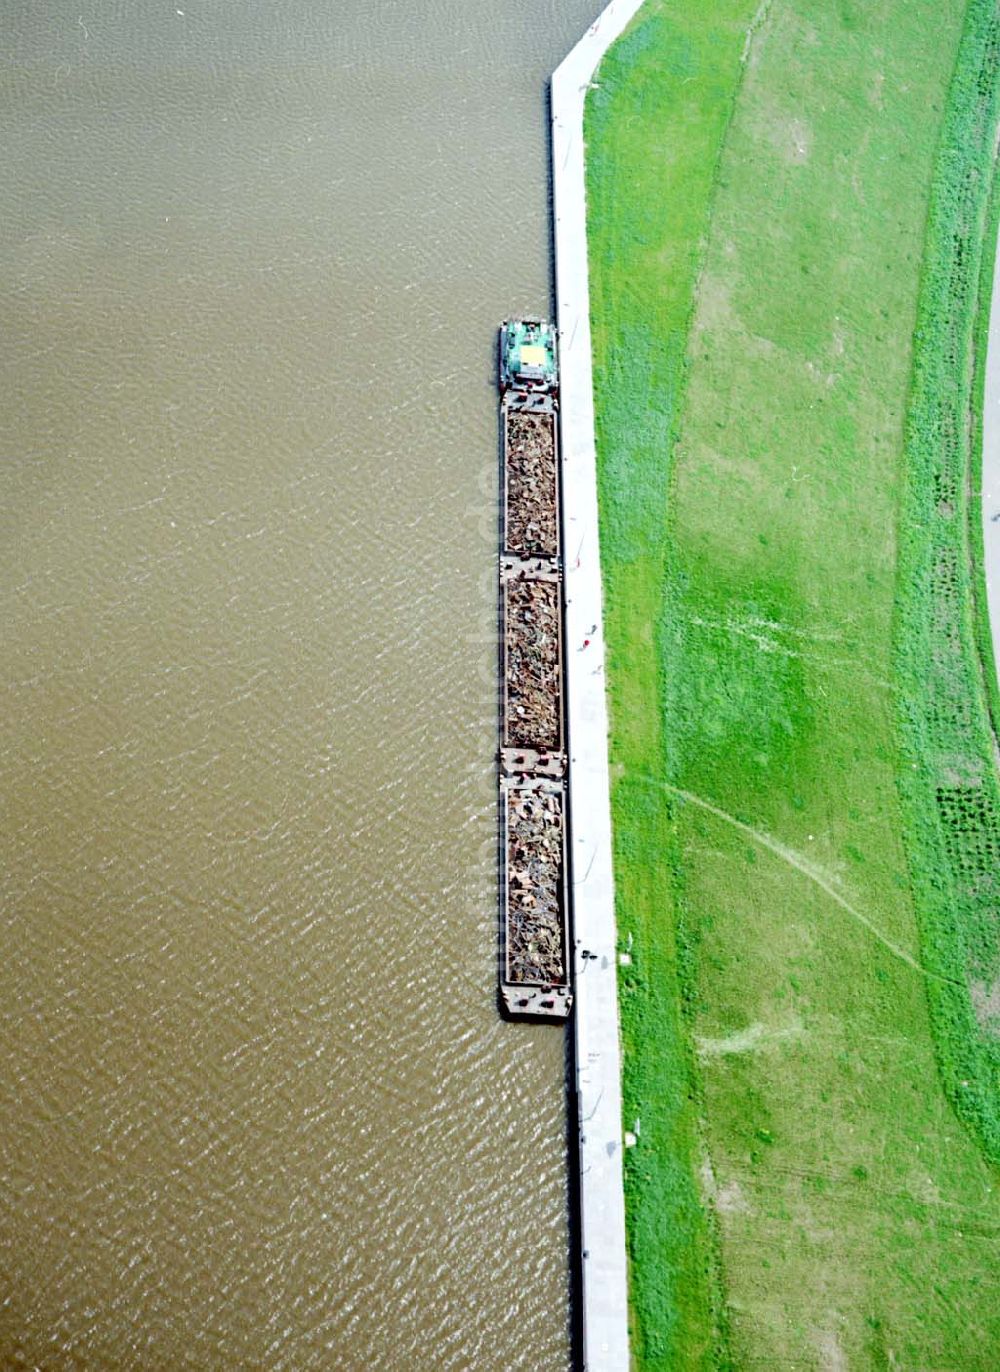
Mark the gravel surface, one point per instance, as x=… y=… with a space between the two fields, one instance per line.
x=532 y=527
x=532 y=642
x=534 y=865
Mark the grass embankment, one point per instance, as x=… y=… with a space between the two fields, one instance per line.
x=949 y=777
x=984 y=636
x=656 y=125
x=801 y=1191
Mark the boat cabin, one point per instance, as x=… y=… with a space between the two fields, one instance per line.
x=528 y=355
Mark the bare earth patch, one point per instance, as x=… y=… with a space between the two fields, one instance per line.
x=986 y=1002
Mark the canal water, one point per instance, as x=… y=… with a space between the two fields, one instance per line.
x=256 y=1105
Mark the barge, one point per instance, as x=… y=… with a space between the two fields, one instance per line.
x=535 y=946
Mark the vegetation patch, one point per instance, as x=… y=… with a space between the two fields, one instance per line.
x=649 y=190
x=983 y=632
x=950 y=787
x=769 y=190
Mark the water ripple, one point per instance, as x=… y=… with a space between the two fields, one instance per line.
x=256 y=1106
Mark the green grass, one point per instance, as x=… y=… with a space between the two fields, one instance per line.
x=676 y=72
x=949 y=781
x=983 y=632
x=759 y=215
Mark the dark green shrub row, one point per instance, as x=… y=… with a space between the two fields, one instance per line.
x=984 y=637
x=948 y=780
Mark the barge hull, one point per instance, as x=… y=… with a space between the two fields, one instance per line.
x=535 y=894
x=534 y=972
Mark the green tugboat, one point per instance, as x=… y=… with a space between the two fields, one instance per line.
x=528 y=356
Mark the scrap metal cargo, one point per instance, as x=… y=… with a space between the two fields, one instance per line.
x=534 y=960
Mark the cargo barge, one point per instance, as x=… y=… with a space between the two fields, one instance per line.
x=534 y=955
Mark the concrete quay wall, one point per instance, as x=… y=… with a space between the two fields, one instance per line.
x=600 y=1196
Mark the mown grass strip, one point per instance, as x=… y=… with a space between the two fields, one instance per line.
x=658 y=115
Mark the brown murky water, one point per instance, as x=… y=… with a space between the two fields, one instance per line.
x=256 y=1106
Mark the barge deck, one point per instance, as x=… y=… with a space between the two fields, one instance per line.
x=534 y=959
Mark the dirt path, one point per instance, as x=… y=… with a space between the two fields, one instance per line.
x=801 y=864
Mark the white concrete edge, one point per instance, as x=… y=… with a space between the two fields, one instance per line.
x=991 y=468
x=604 y=1293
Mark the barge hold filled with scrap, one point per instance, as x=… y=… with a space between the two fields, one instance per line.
x=534 y=958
